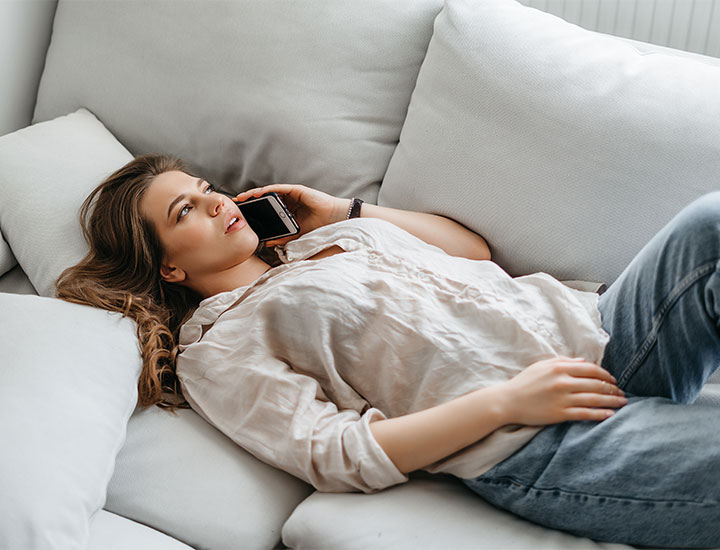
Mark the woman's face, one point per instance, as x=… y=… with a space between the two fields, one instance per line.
x=194 y=225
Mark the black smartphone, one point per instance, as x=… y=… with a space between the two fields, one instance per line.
x=268 y=217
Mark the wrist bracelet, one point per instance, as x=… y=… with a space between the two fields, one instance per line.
x=354 y=210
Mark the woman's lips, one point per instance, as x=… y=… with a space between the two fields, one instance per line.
x=237 y=226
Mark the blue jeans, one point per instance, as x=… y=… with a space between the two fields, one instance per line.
x=650 y=474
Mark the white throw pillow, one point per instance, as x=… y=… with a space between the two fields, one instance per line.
x=46 y=172
x=7 y=259
x=68 y=384
x=565 y=148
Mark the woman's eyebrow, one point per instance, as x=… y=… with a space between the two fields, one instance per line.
x=181 y=197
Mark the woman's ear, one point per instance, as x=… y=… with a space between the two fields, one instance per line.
x=172 y=274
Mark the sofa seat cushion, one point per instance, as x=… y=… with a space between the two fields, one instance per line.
x=426 y=512
x=68 y=384
x=112 y=532
x=565 y=148
x=185 y=478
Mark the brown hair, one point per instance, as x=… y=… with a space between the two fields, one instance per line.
x=121 y=273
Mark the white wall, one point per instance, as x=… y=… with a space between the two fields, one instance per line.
x=691 y=25
x=25 y=28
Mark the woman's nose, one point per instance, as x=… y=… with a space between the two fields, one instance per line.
x=216 y=204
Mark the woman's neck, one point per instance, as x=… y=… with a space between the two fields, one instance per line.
x=239 y=275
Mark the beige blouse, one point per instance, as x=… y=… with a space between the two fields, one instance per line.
x=295 y=366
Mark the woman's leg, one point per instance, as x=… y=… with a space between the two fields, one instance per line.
x=649 y=474
x=663 y=312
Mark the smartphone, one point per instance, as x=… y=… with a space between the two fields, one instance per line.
x=268 y=217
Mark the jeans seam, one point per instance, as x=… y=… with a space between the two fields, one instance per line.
x=684 y=284
x=507 y=480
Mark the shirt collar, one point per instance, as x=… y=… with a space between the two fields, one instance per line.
x=212 y=307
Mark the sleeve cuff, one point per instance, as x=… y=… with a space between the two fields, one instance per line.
x=376 y=468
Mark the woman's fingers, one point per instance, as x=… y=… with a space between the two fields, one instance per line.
x=563 y=388
x=593 y=385
x=591 y=406
x=596 y=400
x=592 y=391
x=279 y=188
x=590 y=378
x=587 y=370
x=280 y=242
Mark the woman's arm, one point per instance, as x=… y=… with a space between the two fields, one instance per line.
x=282 y=417
x=313 y=209
x=415 y=440
x=452 y=237
x=547 y=392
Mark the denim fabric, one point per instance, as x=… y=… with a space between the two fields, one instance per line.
x=650 y=474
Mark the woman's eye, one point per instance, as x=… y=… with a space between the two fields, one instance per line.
x=184 y=209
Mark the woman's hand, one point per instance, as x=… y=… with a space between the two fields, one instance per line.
x=560 y=389
x=311 y=208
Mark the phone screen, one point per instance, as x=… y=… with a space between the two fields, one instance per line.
x=263 y=219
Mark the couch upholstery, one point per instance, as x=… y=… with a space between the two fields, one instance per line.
x=314 y=93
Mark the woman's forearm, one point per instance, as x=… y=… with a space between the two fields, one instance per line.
x=452 y=237
x=416 y=440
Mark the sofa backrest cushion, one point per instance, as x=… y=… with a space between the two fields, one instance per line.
x=68 y=384
x=46 y=172
x=260 y=91
x=566 y=149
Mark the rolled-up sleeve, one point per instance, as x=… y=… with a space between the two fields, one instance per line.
x=285 y=419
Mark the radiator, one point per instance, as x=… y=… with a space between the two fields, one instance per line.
x=692 y=25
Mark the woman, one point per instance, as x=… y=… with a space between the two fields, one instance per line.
x=377 y=346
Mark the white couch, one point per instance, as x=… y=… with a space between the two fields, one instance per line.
x=566 y=149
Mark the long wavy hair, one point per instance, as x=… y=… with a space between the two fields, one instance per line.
x=121 y=273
